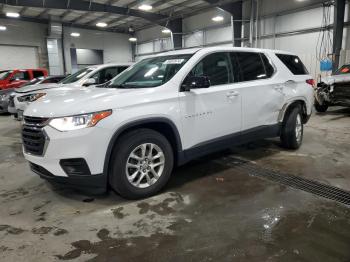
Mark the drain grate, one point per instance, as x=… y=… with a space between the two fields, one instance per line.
x=323 y=190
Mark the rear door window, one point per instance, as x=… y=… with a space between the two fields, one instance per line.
x=37 y=73
x=251 y=66
x=293 y=63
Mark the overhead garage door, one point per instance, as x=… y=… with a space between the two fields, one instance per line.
x=18 y=57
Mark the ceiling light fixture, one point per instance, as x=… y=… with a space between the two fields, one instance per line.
x=3 y=28
x=132 y=39
x=12 y=14
x=218 y=18
x=101 y=24
x=75 y=34
x=145 y=7
x=166 y=31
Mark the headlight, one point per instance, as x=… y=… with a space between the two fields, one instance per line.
x=78 y=122
x=31 y=97
x=4 y=96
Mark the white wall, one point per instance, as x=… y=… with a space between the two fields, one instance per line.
x=20 y=33
x=199 y=30
x=116 y=47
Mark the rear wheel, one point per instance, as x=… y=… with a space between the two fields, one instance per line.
x=141 y=164
x=320 y=108
x=292 y=129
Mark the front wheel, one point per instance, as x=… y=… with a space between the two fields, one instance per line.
x=292 y=129
x=141 y=164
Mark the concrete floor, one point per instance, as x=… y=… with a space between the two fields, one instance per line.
x=211 y=210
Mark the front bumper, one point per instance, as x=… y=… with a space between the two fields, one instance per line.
x=89 y=144
x=94 y=184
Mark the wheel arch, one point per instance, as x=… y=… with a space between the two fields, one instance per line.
x=160 y=124
x=292 y=104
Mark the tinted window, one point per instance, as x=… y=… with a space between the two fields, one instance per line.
x=268 y=66
x=33 y=81
x=105 y=75
x=110 y=73
x=122 y=68
x=251 y=66
x=52 y=80
x=37 y=74
x=23 y=75
x=77 y=76
x=293 y=63
x=215 y=66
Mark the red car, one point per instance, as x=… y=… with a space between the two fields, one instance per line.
x=18 y=77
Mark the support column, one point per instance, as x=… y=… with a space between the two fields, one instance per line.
x=176 y=32
x=235 y=9
x=339 y=10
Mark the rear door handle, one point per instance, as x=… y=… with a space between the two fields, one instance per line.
x=279 y=88
x=289 y=82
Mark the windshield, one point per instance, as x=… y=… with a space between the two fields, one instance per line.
x=150 y=72
x=76 y=76
x=345 y=69
x=33 y=81
x=4 y=74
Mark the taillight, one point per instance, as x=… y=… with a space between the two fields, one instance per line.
x=311 y=82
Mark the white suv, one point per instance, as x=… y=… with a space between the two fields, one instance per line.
x=88 y=76
x=163 y=112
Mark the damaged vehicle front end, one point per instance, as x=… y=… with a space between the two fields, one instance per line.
x=334 y=90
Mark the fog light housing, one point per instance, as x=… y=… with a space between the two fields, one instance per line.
x=75 y=167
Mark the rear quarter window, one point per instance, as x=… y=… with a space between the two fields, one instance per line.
x=293 y=63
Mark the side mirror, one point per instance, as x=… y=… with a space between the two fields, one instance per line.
x=89 y=82
x=194 y=82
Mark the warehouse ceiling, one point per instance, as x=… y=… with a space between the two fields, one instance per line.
x=119 y=15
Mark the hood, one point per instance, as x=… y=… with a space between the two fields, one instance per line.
x=31 y=88
x=7 y=91
x=337 y=79
x=73 y=101
x=2 y=83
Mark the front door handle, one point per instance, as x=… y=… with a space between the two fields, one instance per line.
x=232 y=94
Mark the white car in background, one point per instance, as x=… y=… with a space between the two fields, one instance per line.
x=88 y=76
x=164 y=111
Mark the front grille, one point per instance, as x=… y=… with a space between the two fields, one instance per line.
x=35 y=121
x=12 y=101
x=33 y=135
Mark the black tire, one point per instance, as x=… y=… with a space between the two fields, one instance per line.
x=320 y=108
x=125 y=145
x=288 y=137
